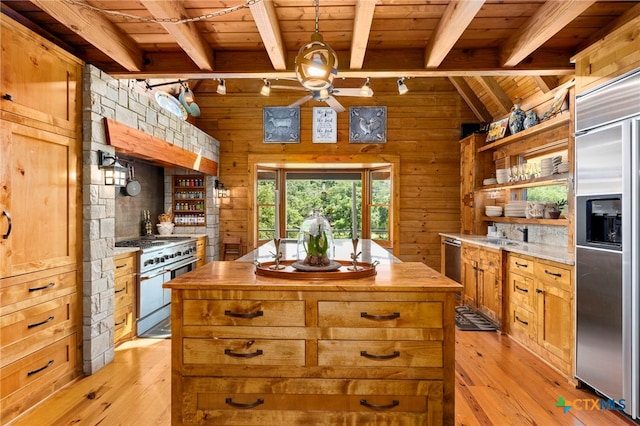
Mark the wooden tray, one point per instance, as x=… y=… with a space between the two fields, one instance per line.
x=267 y=269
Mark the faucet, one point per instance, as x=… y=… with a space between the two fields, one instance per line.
x=525 y=234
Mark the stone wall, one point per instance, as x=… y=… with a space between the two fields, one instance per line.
x=122 y=101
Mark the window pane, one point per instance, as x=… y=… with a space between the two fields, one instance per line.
x=266 y=222
x=379 y=223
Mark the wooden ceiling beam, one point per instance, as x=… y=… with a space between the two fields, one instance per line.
x=186 y=34
x=546 y=83
x=455 y=20
x=495 y=92
x=264 y=15
x=361 y=29
x=552 y=17
x=97 y=30
x=471 y=99
x=626 y=17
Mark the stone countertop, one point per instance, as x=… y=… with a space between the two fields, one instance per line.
x=344 y=247
x=541 y=251
x=124 y=250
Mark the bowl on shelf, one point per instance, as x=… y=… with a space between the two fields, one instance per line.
x=490 y=181
x=493 y=211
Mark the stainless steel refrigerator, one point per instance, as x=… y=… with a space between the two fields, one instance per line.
x=607 y=240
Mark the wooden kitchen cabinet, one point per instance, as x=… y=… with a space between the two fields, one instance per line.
x=201 y=251
x=189 y=200
x=482 y=280
x=125 y=281
x=248 y=349
x=475 y=166
x=40 y=199
x=541 y=309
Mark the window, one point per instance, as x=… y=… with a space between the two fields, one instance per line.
x=335 y=193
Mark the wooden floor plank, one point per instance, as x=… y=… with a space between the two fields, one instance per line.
x=497 y=382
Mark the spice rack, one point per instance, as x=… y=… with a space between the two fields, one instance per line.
x=189 y=200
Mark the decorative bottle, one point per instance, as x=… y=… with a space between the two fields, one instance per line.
x=516 y=119
x=531 y=119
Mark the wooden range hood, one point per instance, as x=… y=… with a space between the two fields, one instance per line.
x=131 y=141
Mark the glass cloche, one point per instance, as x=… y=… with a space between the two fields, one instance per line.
x=316 y=247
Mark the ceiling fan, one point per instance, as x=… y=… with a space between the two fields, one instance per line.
x=316 y=66
x=327 y=95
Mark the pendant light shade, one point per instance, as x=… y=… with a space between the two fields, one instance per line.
x=317 y=63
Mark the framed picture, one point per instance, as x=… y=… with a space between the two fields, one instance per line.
x=557 y=105
x=325 y=125
x=281 y=124
x=368 y=124
x=498 y=130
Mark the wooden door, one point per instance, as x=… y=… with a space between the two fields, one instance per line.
x=469 y=274
x=555 y=331
x=39 y=174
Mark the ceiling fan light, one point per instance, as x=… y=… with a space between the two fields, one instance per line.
x=222 y=89
x=402 y=88
x=323 y=94
x=266 y=89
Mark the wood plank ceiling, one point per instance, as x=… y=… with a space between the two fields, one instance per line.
x=480 y=45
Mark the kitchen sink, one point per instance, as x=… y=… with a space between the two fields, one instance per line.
x=499 y=241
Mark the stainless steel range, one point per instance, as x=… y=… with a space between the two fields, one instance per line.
x=161 y=259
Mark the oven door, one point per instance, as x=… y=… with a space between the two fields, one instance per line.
x=183 y=267
x=152 y=306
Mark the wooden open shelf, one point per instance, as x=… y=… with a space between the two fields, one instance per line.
x=560 y=120
x=524 y=220
x=557 y=179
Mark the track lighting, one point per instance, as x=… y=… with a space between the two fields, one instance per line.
x=188 y=94
x=266 y=89
x=402 y=88
x=365 y=90
x=222 y=89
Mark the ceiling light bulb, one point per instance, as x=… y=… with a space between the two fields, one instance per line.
x=266 y=89
x=402 y=88
x=324 y=94
x=222 y=89
x=188 y=94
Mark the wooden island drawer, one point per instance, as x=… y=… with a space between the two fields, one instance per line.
x=270 y=313
x=311 y=401
x=244 y=352
x=346 y=353
x=380 y=314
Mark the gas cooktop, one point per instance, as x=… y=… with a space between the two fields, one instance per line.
x=153 y=241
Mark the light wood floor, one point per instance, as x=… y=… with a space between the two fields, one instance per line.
x=497 y=383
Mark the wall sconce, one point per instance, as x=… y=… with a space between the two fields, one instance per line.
x=222 y=89
x=221 y=191
x=366 y=90
x=402 y=88
x=114 y=172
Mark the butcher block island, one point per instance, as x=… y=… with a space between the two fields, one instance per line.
x=249 y=349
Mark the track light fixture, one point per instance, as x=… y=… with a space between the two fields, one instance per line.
x=188 y=94
x=222 y=89
x=266 y=89
x=365 y=90
x=402 y=88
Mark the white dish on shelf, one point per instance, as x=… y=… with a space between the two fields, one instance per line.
x=171 y=104
x=493 y=214
x=490 y=181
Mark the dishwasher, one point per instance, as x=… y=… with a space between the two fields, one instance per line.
x=452 y=259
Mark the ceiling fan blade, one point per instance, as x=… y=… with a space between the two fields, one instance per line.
x=301 y=101
x=279 y=86
x=333 y=103
x=351 y=92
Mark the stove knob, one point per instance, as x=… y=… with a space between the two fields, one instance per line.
x=156 y=260
x=179 y=253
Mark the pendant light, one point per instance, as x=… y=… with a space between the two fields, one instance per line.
x=317 y=63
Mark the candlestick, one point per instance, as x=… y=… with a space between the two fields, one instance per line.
x=277 y=213
x=354 y=218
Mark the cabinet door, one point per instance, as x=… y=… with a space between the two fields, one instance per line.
x=38 y=200
x=467 y=179
x=469 y=275
x=43 y=81
x=490 y=283
x=554 y=320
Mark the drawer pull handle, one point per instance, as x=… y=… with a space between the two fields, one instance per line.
x=366 y=354
x=121 y=266
x=522 y=265
x=393 y=316
x=229 y=401
x=539 y=291
x=44 y=287
x=523 y=322
x=41 y=322
x=524 y=290
x=120 y=323
x=121 y=290
x=244 y=315
x=239 y=355
x=32 y=372
x=393 y=404
x=553 y=274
